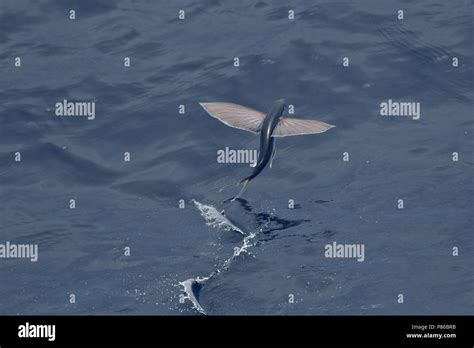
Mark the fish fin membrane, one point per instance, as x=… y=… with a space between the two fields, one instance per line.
x=236 y=116
x=293 y=126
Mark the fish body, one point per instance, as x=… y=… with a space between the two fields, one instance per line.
x=267 y=141
x=268 y=126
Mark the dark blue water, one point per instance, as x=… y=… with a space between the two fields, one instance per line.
x=280 y=251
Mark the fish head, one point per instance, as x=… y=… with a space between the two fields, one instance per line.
x=277 y=108
x=276 y=112
x=279 y=104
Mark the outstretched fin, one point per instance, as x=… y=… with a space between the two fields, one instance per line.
x=293 y=126
x=236 y=116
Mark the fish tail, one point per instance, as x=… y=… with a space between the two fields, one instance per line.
x=247 y=179
x=244 y=181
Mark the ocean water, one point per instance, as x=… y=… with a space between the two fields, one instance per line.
x=256 y=255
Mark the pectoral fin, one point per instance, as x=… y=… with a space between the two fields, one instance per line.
x=236 y=116
x=293 y=126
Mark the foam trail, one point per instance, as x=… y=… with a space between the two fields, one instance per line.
x=239 y=250
x=192 y=286
x=215 y=219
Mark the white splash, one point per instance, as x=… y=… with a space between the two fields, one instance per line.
x=239 y=250
x=214 y=218
x=189 y=293
x=188 y=283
